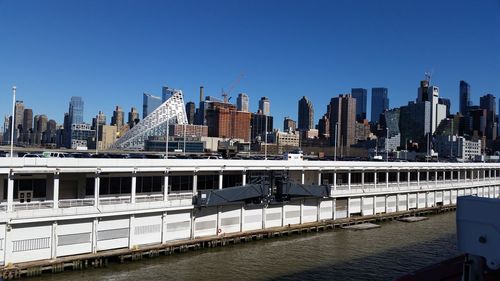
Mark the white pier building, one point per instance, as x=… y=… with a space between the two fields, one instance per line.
x=53 y=208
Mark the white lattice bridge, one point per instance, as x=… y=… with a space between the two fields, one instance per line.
x=172 y=111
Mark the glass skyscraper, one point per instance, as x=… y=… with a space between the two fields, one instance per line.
x=360 y=95
x=76 y=110
x=380 y=102
x=149 y=104
x=464 y=97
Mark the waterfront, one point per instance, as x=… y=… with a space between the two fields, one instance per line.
x=377 y=254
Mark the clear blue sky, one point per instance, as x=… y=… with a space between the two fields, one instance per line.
x=110 y=52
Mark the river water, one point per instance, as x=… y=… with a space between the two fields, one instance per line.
x=377 y=254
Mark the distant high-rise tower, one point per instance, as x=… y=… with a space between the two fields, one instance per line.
x=428 y=93
x=380 y=103
x=118 y=118
x=343 y=115
x=27 y=125
x=242 y=102
x=289 y=124
x=76 y=110
x=149 y=104
x=488 y=103
x=360 y=95
x=447 y=103
x=190 y=112
x=18 y=120
x=166 y=93
x=133 y=117
x=306 y=114
x=265 y=105
x=465 y=102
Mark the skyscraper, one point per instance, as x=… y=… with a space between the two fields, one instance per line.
x=265 y=105
x=361 y=97
x=27 y=125
x=289 y=124
x=242 y=102
x=149 y=104
x=18 y=120
x=133 y=117
x=190 y=112
x=488 y=103
x=343 y=115
x=258 y=126
x=430 y=93
x=464 y=97
x=118 y=118
x=225 y=121
x=40 y=124
x=306 y=114
x=380 y=102
x=447 y=103
x=76 y=110
x=166 y=93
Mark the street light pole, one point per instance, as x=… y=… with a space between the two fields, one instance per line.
x=12 y=122
x=166 y=140
x=184 y=149
x=387 y=146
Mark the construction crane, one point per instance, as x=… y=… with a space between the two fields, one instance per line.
x=225 y=94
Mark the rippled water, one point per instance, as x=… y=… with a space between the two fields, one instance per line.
x=377 y=254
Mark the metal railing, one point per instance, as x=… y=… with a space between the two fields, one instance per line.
x=149 y=198
x=114 y=200
x=33 y=205
x=67 y=203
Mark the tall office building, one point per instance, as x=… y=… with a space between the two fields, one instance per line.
x=289 y=124
x=40 y=127
x=415 y=123
x=343 y=115
x=76 y=110
x=133 y=117
x=258 y=126
x=380 y=103
x=306 y=114
x=447 y=103
x=27 y=125
x=265 y=106
x=488 y=103
x=18 y=120
x=149 y=104
x=360 y=95
x=324 y=126
x=465 y=95
x=242 y=102
x=118 y=118
x=190 y=112
x=430 y=93
x=166 y=93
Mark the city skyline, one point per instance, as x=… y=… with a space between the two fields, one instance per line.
x=51 y=59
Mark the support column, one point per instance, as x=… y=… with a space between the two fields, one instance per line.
x=133 y=187
x=221 y=178
x=375 y=176
x=386 y=179
x=334 y=180
x=303 y=177
x=195 y=184
x=164 y=229
x=418 y=178
x=10 y=192
x=131 y=239
x=427 y=178
x=244 y=178
x=319 y=177
x=435 y=177
x=363 y=179
x=409 y=178
x=165 y=186
x=54 y=241
x=349 y=180
x=55 y=198
x=97 y=183
x=242 y=217
x=398 y=176
x=95 y=222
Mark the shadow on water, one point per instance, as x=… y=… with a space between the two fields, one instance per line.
x=387 y=265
